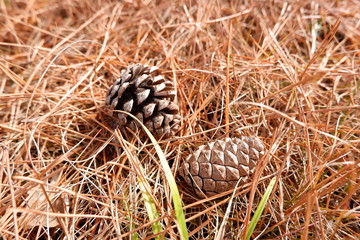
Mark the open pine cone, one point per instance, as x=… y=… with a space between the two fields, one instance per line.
x=217 y=166
x=150 y=97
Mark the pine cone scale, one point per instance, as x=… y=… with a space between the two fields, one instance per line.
x=243 y=170
x=232 y=174
x=205 y=170
x=168 y=118
x=209 y=185
x=141 y=79
x=218 y=157
x=219 y=172
x=141 y=95
x=127 y=106
x=161 y=104
x=148 y=109
x=158 y=121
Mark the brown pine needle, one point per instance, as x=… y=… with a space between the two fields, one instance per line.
x=286 y=73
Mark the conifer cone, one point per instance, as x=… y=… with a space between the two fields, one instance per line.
x=150 y=97
x=217 y=166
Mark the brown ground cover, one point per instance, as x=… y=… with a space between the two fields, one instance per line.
x=285 y=71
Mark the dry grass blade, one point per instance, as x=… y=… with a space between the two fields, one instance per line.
x=285 y=72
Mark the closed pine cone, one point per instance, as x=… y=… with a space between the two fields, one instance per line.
x=148 y=96
x=217 y=166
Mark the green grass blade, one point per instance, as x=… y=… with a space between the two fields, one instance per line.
x=179 y=213
x=151 y=210
x=134 y=236
x=260 y=209
x=149 y=202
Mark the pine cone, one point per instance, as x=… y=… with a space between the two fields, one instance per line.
x=217 y=166
x=147 y=95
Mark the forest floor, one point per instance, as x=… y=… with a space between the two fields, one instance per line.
x=287 y=72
